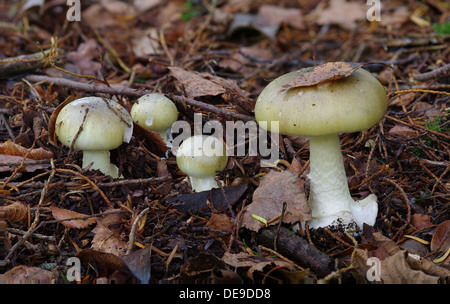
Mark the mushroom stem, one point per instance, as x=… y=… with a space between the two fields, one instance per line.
x=199 y=184
x=101 y=161
x=329 y=197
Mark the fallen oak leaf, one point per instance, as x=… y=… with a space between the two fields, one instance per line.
x=64 y=215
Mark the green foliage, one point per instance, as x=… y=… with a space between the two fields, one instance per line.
x=437 y=124
x=190 y=10
x=441 y=28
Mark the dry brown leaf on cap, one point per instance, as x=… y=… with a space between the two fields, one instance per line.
x=63 y=214
x=275 y=189
x=322 y=73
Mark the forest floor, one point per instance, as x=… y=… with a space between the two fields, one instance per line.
x=208 y=58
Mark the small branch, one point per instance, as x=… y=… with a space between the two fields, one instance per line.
x=442 y=71
x=133 y=229
x=101 y=88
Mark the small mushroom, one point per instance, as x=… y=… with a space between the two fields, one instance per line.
x=94 y=125
x=201 y=157
x=321 y=112
x=155 y=112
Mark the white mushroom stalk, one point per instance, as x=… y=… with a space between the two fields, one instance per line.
x=155 y=112
x=94 y=125
x=201 y=157
x=321 y=112
x=328 y=183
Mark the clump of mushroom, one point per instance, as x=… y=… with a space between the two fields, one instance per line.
x=201 y=157
x=155 y=112
x=321 y=112
x=94 y=125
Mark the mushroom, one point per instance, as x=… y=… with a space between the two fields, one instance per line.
x=94 y=125
x=155 y=112
x=201 y=157
x=321 y=112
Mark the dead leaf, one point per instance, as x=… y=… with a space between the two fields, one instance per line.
x=84 y=58
x=397 y=266
x=420 y=221
x=10 y=148
x=204 y=84
x=402 y=131
x=103 y=260
x=195 y=84
x=220 y=222
x=275 y=189
x=255 y=262
x=396 y=270
x=395 y=18
x=322 y=73
x=109 y=240
x=441 y=237
x=139 y=263
x=108 y=14
x=27 y=275
x=9 y=163
x=62 y=214
x=341 y=12
x=274 y=15
x=15 y=212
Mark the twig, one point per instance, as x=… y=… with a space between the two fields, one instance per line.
x=442 y=71
x=408 y=207
x=133 y=229
x=275 y=239
x=101 y=88
x=89 y=182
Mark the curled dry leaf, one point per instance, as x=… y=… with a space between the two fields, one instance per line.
x=441 y=237
x=322 y=73
x=397 y=265
x=10 y=148
x=15 y=212
x=63 y=214
x=275 y=189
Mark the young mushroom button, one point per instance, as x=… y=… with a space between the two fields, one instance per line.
x=201 y=157
x=155 y=112
x=94 y=125
x=321 y=112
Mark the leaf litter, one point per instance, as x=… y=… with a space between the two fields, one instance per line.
x=149 y=226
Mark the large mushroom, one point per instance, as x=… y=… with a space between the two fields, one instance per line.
x=321 y=112
x=94 y=125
